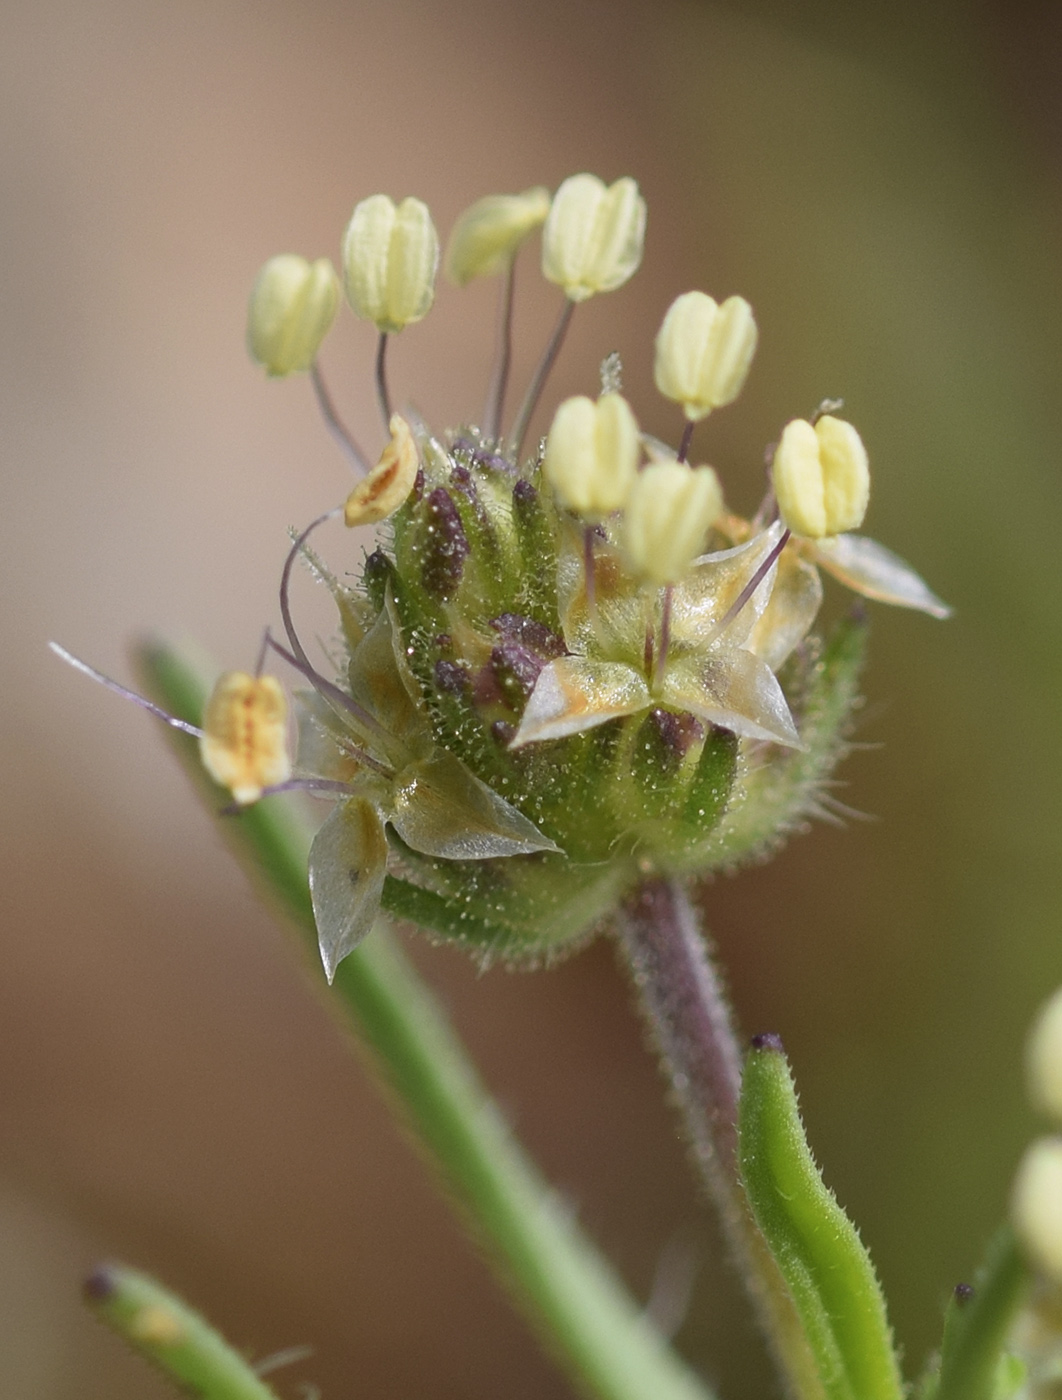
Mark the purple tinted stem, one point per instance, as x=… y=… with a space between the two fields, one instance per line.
x=503 y=355
x=686 y=1009
x=124 y=691
x=333 y=421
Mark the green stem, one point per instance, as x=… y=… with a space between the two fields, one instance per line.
x=580 y=1308
x=163 y=1328
x=978 y=1323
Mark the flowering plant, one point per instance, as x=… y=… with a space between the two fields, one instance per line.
x=568 y=680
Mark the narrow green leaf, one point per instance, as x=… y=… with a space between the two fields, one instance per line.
x=567 y=1288
x=163 y=1328
x=974 y=1363
x=821 y=1257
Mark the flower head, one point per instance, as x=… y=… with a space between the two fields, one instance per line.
x=557 y=673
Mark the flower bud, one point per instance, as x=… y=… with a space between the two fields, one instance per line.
x=487 y=235
x=1036 y=1206
x=592 y=454
x=1043 y=1060
x=593 y=237
x=292 y=308
x=821 y=477
x=244 y=745
x=666 y=517
x=703 y=352
x=389 y=260
x=390 y=481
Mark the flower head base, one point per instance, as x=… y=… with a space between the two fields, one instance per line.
x=390 y=256
x=594 y=236
x=488 y=234
x=821 y=477
x=244 y=744
x=292 y=308
x=703 y=352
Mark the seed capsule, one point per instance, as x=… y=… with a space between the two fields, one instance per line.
x=292 y=308
x=821 y=477
x=244 y=746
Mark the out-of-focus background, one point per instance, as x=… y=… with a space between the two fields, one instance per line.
x=882 y=183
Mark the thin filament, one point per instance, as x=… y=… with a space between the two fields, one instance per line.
x=503 y=354
x=538 y=381
x=334 y=423
x=382 y=393
x=747 y=592
x=125 y=692
x=339 y=700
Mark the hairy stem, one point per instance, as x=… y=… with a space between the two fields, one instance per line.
x=689 y=1017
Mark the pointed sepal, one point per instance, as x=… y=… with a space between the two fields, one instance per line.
x=573 y=694
x=348 y=862
x=869 y=568
x=441 y=809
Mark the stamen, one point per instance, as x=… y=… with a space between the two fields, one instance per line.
x=331 y=694
x=335 y=426
x=126 y=694
x=747 y=592
x=503 y=354
x=538 y=381
x=382 y=394
x=687 y=438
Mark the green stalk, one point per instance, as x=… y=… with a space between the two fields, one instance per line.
x=163 y=1328
x=579 y=1307
x=978 y=1323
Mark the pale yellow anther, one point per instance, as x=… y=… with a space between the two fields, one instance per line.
x=293 y=305
x=593 y=238
x=244 y=745
x=592 y=454
x=666 y=519
x=389 y=482
x=390 y=256
x=703 y=352
x=1036 y=1206
x=1043 y=1060
x=487 y=235
x=821 y=477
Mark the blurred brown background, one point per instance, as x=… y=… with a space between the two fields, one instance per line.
x=882 y=182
